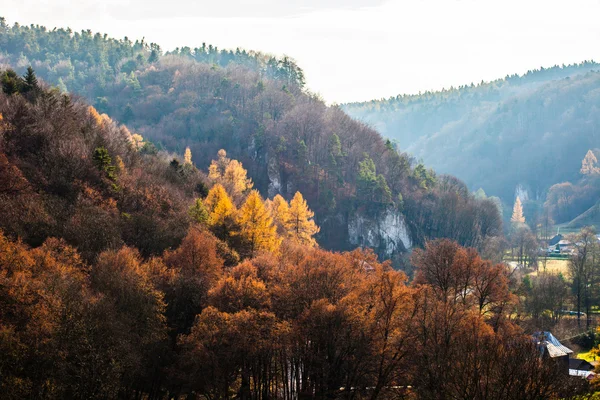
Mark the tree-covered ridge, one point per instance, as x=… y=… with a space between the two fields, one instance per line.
x=126 y=272
x=286 y=138
x=481 y=90
x=531 y=130
x=86 y=62
x=87 y=180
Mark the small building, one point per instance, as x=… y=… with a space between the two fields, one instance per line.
x=554 y=241
x=552 y=350
x=581 y=368
x=580 y=365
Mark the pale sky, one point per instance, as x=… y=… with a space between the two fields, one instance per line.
x=353 y=50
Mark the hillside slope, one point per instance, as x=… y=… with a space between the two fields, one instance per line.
x=117 y=281
x=363 y=191
x=530 y=130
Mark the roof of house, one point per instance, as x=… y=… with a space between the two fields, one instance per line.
x=555 y=239
x=555 y=351
x=581 y=365
x=547 y=342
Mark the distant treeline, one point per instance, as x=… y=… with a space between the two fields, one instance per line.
x=531 y=130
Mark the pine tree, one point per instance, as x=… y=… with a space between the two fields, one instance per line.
x=11 y=82
x=153 y=56
x=588 y=164
x=383 y=194
x=30 y=81
x=366 y=181
x=187 y=156
x=104 y=162
x=517 y=215
x=198 y=212
x=256 y=226
x=299 y=226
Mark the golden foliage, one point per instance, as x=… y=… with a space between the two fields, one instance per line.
x=95 y=116
x=241 y=289
x=299 y=224
x=219 y=205
x=279 y=210
x=187 y=156
x=120 y=165
x=137 y=141
x=231 y=174
x=517 y=215
x=256 y=226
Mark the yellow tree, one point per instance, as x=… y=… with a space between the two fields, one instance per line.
x=187 y=156
x=588 y=164
x=517 y=215
x=217 y=167
x=137 y=141
x=231 y=174
x=280 y=211
x=299 y=225
x=256 y=226
x=219 y=205
x=95 y=116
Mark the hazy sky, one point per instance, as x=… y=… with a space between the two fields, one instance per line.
x=353 y=50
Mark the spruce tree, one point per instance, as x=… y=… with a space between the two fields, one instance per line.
x=104 y=162
x=198 y=212
x=30 y=81
x=11 y=82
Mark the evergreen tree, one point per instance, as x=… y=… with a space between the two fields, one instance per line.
x=425 y=178
x=299 y=224
x=153 y=56
x=11 y=82
x=383 y=194
x=198 y=212
x=30 y=81
x=104 y=162
x=366 y=182
x=256 y=226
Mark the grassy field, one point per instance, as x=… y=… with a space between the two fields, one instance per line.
x=587 y=356
x=554 y=267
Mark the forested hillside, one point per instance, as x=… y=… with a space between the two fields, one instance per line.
x=530 y=131
x=127 y=273
x=363 y=191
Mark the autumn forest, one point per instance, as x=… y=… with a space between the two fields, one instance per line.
x=196 y=224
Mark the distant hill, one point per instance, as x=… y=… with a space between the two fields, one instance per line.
x=530 y=131
x=591 y=217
